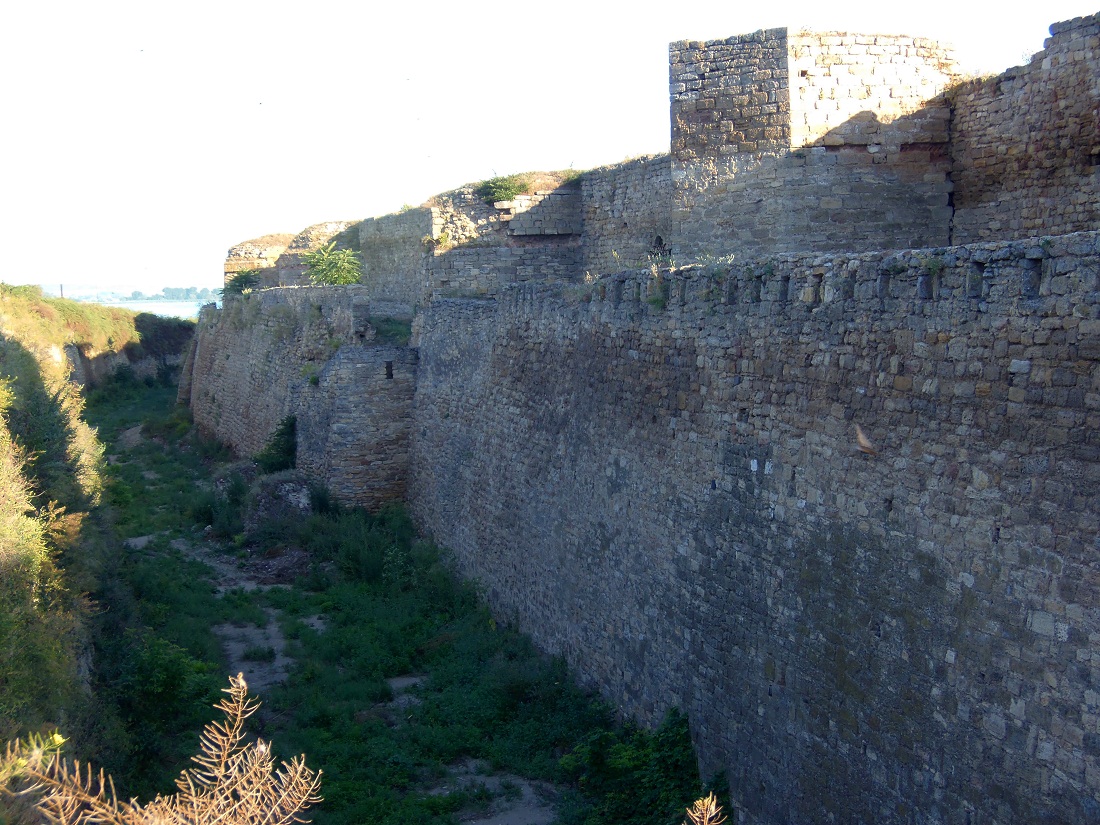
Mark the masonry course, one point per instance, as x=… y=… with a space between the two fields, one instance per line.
x=656 y=472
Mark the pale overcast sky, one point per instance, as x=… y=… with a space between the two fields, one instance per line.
x=142 y=139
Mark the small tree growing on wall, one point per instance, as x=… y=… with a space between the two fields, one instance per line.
x=243 y=281
x=331 y=266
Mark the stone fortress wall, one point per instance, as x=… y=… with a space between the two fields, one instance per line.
x=657 y=473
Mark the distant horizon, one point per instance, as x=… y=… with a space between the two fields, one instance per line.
x=117 y=294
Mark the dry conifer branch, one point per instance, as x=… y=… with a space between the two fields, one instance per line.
x=706 y=811
x=235 y=782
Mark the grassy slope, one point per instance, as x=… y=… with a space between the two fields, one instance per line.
x=51 y=478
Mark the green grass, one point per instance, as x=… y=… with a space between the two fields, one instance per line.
x=391 y=330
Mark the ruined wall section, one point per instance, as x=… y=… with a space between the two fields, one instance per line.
x=258 y=253
x=826 y=142
x=546 y=212
x=671 y=494
x=486 y=270
x=354 y=423
x=309 y=353
x=1026 y=144
x=394 y=253
x=290 y=268
x=458 y=244
x=254 y=357
x=626 y=213
x=480 y=248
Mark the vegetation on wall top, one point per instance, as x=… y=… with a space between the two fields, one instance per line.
x=502 y=188
x=507 y=187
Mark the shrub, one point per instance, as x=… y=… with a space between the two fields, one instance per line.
x=331 y=266
x=502 y=188
x=637 y=777
x=281 y=451
x=391 y=330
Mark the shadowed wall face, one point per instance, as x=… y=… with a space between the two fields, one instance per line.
x=1025 y=151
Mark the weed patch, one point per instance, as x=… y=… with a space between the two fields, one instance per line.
x=392 y=330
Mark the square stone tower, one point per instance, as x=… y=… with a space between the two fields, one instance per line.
x=809 y=142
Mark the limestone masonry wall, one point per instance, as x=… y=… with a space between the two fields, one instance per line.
x=625 y=209
x=730 y=96
x=869 y=90
x=675 y=500
x=1026 y=144
x=393 y=253
x=485 y=270
x=780 y=143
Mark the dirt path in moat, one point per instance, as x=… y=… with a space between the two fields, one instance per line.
x=257 y=652
x=515 y=800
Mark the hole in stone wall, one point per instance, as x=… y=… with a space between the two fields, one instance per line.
x=975 y=281
x=1029 y=287
x=784 y=289
x=804 y=73
x=926 y=287
x=814 y=290
x=389 y=369
x=884 y=285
